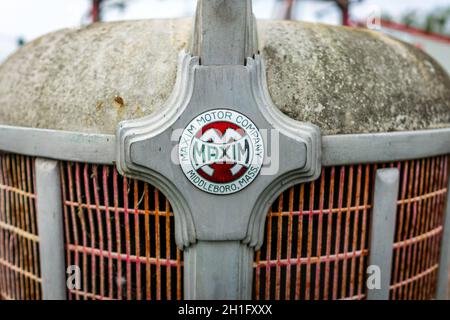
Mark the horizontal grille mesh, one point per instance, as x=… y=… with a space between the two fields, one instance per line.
x=317 y=234
x=19 y=243
x=120 y=233
x=420 y=218
x=316 y=243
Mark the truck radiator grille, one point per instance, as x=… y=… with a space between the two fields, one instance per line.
x=317 y=234
x=317 y=238
x=19 y=243
x=120 y=233
x=419 y=228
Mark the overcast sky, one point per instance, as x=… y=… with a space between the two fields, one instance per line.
x=31 y=18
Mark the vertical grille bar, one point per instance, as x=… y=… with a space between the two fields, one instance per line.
x=382 y=231
x=364 y=232
x=100 y=223
x=147 y=243
x=51 y=230
x=443 y=277
x=329 y=225
x=137 y=240
x=19 y=258
x=158 y=247
x=123 y=242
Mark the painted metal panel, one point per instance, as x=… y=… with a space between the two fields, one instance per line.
x=50 y=228
x=383 y=229
x=218 y=270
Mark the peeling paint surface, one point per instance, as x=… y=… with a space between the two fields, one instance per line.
x=344 y=80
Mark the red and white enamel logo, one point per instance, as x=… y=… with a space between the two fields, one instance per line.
x=221 y=151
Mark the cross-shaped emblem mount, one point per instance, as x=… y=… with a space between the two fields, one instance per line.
x=202 y=151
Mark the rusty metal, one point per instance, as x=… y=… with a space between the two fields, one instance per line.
x=330 y=227
x=419 y=230
x=19 y=254
x=316 y=244
x=123 y=241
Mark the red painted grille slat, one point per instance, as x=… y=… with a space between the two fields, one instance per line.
x=123 y=241
x=120 y=232
x=19 y=243
x=419 y=228
x=316 y=244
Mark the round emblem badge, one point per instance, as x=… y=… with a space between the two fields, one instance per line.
x=221 y=151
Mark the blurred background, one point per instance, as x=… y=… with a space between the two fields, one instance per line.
x=424 y=23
